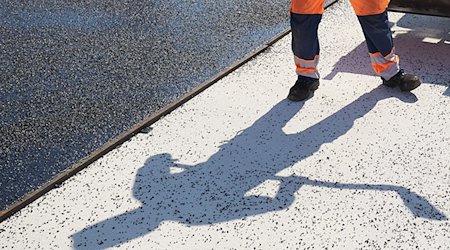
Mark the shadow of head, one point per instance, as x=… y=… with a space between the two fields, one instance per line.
x=158 y=164
x=155 y=170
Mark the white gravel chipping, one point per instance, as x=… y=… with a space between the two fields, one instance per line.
x=357 y=166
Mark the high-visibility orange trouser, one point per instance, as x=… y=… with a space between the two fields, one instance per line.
x=372 y=15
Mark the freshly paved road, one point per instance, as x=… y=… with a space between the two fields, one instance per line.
x=357 y=166
x=74 y=74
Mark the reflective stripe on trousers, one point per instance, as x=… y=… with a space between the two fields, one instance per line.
x=372 y=16
x=307 y=67
x=305 y=43
x=385 y=66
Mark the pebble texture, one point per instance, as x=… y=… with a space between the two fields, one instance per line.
x=75 y=74
x=357 y=166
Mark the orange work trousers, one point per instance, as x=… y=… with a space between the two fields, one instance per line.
x=373 y=18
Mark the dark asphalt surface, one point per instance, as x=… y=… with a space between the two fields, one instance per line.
x=74 y=74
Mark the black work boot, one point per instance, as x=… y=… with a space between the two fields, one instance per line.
x=302 y=87
x=406 y=82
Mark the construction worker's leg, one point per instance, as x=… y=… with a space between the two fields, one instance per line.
x=372 y=16
x=305 y=19
x=378 y=35
x=305 y=43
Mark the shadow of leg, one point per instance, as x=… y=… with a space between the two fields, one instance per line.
x=115 y=231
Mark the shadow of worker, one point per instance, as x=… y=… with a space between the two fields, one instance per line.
x=218 y=190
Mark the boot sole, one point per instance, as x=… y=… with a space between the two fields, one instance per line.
x=403 y=88
x=413 y=85
x=312 y=88
x=417 y=84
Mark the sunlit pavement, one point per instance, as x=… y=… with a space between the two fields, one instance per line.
x=357 y=166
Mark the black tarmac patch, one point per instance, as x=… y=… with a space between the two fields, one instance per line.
x=74 y=75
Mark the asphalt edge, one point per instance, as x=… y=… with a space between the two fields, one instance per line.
x=56 y=181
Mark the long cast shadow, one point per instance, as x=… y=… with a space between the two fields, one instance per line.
x=216 y=190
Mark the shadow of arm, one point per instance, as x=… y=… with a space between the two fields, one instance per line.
x=418 y=205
